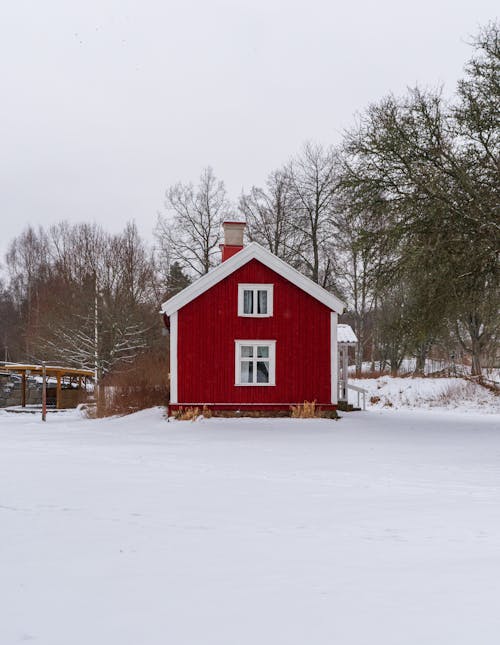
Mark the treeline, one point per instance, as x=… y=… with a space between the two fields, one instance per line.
x=77 y=295
x=401 y=221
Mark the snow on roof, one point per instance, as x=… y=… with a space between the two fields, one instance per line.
x=250 y=252
x=345 y=334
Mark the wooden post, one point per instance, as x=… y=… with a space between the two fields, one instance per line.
x=58 y=391
x=44 y=392
x=345 y=370
x=23 y=393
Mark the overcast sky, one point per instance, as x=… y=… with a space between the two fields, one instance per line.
x=104 y=103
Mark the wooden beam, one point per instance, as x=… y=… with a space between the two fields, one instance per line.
x=58 y=391
x=44 y=394
x=23 y=393
x=50 y=370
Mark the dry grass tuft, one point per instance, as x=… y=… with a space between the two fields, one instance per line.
x=192 y=414
x=187 y=414
x=307 y=410
x=455 y=393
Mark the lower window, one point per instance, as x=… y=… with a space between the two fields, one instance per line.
x=255 y=362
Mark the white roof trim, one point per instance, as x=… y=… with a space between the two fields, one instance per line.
x=251 y=252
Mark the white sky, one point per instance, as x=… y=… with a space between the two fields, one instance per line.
x=104 y=103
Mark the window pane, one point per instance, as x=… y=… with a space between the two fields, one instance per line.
x=246 y=368
x=262 y=372
x=247 y=301
x=262 y=302
x=262 y=351
x=247 y=351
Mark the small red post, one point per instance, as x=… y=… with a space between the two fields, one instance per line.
x=44 y=392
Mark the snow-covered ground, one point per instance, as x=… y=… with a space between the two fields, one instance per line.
x=380 y=528
x=456 y=394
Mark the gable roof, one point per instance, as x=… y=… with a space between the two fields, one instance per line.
x=253 y=251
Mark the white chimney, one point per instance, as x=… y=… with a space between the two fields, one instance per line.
x=233 y=239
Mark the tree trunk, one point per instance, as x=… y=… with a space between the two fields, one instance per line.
x=421 y=358
x=359 y=358
x=475 y=333
x=476 y=368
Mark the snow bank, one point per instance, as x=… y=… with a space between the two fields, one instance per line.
x=429 y=393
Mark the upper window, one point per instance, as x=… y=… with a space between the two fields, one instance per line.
x=255 y=300
x=255 y=362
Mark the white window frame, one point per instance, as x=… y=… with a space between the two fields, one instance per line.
x=255 y=288
x=238 y=344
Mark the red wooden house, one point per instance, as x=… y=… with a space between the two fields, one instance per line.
x=252 y=334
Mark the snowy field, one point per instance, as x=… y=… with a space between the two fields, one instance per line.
x=381 y=528
x=451 y=394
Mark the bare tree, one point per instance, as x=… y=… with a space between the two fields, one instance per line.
x=269 y=214
x=93 y=295
x=27 y=260
x=357 y=265
x=314 y=182
x=134 y=266
x=191 y=236
x=10 y=326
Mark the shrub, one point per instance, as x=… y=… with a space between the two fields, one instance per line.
x=130 y=388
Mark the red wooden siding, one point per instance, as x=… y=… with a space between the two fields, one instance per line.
x=209 y=325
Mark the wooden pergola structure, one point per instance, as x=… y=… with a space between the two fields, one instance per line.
x=75 y=376
x=346 y=338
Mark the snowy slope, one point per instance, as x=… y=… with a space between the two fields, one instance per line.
x=427 y=393
x=381 y=528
